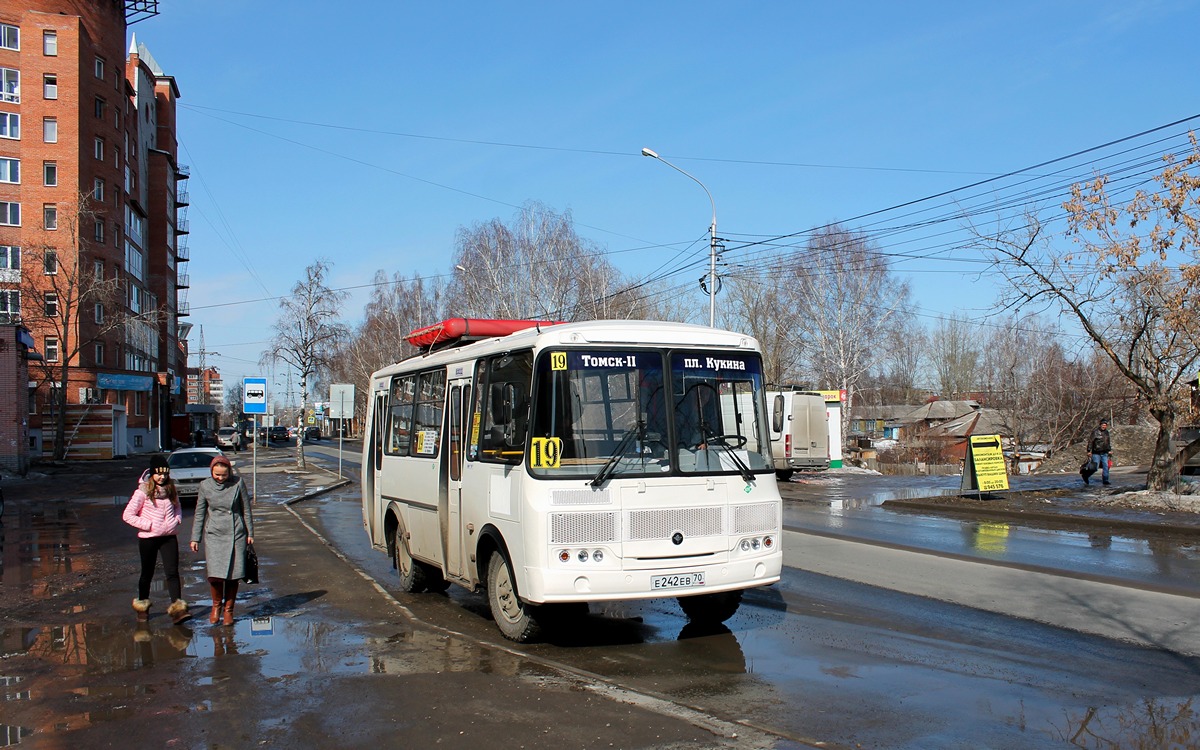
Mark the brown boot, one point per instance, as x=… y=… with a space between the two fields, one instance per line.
x=142 y=608
x=216 y=589
x=231 y=588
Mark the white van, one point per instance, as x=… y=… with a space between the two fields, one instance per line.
x=799 y=432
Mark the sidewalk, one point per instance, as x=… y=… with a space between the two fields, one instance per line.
x=318 y=656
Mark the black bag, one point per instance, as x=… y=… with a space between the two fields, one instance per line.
x=251 y=566
x=1085 y=471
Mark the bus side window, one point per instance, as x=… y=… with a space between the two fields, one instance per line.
x=506 y=414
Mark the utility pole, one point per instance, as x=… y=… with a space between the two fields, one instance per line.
x=202 y=395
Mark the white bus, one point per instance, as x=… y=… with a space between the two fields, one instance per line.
x=558 y=464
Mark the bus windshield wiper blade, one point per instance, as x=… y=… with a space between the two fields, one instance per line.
x=611 y=464
x=742 y=468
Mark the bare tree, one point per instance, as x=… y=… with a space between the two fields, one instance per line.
x=537 y=268
x=760 y=304
x=66 y=299
x=846 y=302
x=955 y=355
x=307 y=334
x=903 y=358
x=1128 y=282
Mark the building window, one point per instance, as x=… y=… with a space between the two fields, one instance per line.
x=98 y=270
x=10 y=85
x=50 y=130
x=10 y=125
x=50 y=43
x=10 y=214
x=50 y=306
x=99 y=232
x=10 y=37
x=10 y=170
x=50 y=86
x=10 y=305
x=98 y=189
x=50 y=262
x=99 y=313
x=100 y=354
x=100 y=68
x=50 y=216
x=10 y=258
x=98 y=149
x=51 y=347
x=50 y=173
x=100 y=106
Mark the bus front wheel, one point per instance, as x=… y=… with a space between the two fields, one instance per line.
x=514 y=617
x=413 y=575
x=711 y=608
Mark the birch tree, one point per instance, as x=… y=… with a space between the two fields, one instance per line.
x=846 y=301
x=306 y=335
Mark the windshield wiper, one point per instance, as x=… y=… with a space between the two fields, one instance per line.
x=742 y=468
x=607 y=469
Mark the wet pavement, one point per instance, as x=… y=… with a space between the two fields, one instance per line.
x=326 y=653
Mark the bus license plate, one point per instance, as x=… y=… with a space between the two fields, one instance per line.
x=677 y=581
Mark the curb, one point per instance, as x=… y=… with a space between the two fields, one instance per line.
x=1067 y=519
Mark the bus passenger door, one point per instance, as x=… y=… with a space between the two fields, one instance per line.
x=371 y=464
x=457 y=404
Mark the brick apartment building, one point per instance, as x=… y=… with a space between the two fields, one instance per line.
x=92 y=227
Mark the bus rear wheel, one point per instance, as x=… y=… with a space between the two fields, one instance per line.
x=711 y=608
x=514 y=617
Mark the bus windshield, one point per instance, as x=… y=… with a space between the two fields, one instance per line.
x=599 y=414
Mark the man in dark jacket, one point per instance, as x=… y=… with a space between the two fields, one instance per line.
x=1100 y=449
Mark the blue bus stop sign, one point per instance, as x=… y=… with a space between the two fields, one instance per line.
x=254 y=395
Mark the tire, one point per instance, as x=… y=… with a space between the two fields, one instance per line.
x=784 y=475
x=514 y=617
x=413 y=575
x=711 y=608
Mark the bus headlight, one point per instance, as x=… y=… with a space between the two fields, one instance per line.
x=598 y=556
x=745 y=545
x=583 y=555
x=564 y=556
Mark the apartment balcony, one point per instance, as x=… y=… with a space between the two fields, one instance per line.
x=182 y=171
x=182 y=196
x=185 y=309
x=183 y=281
x=182 y=226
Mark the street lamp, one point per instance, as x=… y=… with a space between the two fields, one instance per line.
x=712 y=238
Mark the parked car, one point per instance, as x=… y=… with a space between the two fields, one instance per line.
x=278 y=434
x=229 y=438
x=312 y=433
x=189 y=466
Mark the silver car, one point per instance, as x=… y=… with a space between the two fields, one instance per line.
x=229 y=438
x=189 y=466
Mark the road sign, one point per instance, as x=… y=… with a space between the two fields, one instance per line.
x=254 y=395
x=341 y=401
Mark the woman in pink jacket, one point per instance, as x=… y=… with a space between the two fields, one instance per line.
x=155 y=511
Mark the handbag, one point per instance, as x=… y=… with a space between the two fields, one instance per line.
x=250 y=569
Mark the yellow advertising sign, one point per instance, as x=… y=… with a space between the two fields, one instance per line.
x=985 y=469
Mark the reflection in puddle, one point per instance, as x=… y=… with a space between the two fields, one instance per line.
x=1148 y=725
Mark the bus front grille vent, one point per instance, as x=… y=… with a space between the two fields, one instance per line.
x=583 y=528
x=581 y=497
x=660 y=524
x=753 y=519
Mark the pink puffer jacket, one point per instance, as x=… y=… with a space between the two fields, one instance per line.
x=160 y=518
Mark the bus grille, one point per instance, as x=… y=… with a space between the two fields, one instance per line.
x=583 y=528
x=581 y=497
x=752 y=519
x=660 y=524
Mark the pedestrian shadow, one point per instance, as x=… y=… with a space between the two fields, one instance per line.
x=282 y=605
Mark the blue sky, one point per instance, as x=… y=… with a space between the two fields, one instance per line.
x=370 y=132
